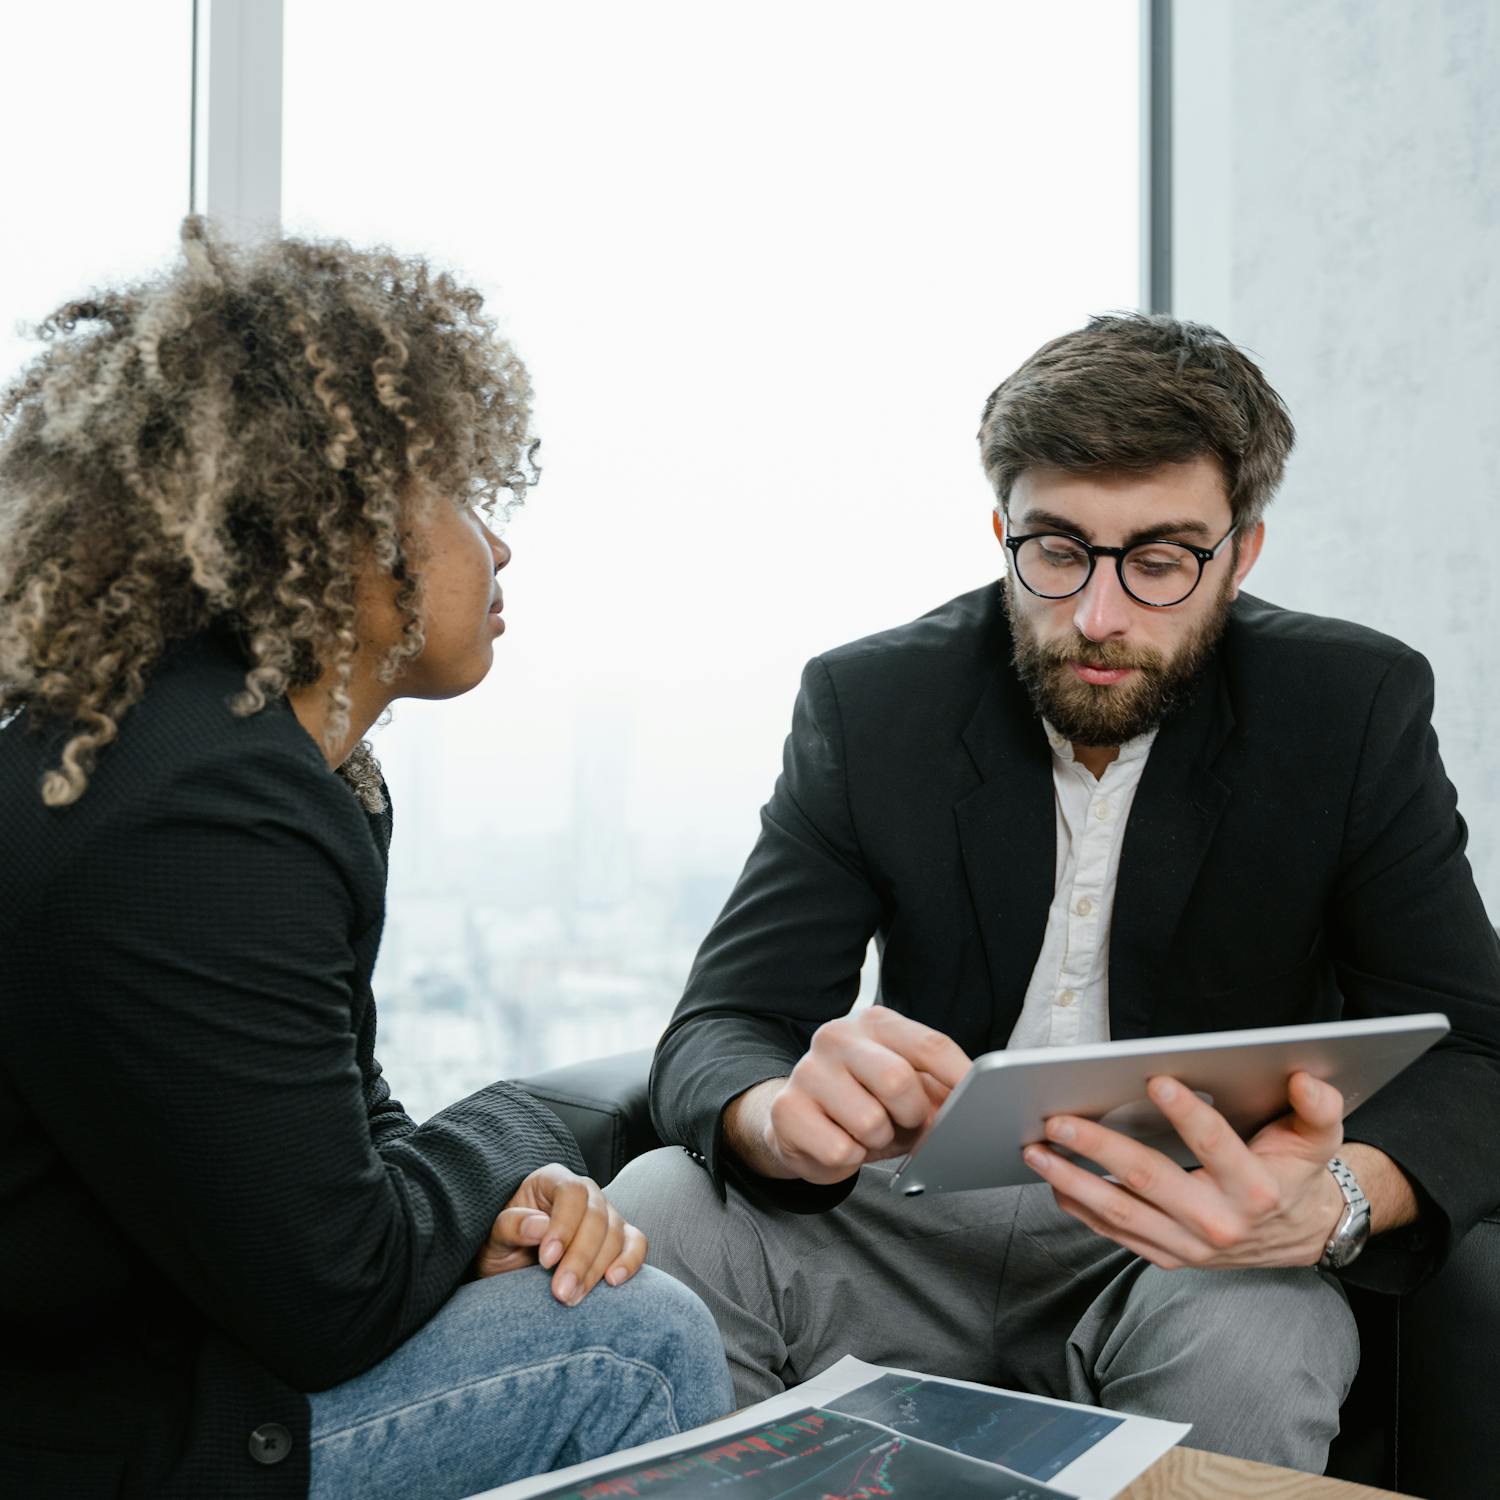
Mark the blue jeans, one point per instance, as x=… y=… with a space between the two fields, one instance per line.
x=505 y=1381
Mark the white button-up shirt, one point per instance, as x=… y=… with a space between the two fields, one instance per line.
x=1067 y=1001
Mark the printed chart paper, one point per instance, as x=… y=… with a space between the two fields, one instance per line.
x=861 y=1431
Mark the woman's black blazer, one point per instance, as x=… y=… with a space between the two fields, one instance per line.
x=209 y=1201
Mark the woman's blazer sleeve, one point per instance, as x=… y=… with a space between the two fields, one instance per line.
x=193 y=1050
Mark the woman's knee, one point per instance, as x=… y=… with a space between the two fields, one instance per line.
x=656 y=1319
x=651 y=1320
x=655 y=1307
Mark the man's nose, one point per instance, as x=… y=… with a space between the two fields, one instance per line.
x=1103 y=610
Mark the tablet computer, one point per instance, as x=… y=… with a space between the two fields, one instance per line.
x=999 y=1105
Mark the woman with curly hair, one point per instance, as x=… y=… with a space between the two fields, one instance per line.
x=242 y=509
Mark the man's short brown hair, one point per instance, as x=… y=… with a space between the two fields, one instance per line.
x=1133 y=391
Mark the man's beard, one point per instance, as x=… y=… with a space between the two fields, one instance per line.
x=1098 y=714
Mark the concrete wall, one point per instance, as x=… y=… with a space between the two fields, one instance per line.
x=1336 y=183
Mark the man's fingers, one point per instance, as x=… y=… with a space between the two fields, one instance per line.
x=893 y=1083
x=926 y=1050
x=866 y=1085
x=1120 y=1215
x=832 y=1087
x=809 y=1142
x=1208 y=1135
x=1154 y=1253
x=1317 y=1112
x=936 y=1090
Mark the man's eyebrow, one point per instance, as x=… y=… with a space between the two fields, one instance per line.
x=1162 y=531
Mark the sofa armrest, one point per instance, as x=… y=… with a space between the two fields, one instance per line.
x=605 y=1103
x=1449 y=1396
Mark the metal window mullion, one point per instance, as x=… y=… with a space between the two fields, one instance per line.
x=1156 y=155
x=237 y=92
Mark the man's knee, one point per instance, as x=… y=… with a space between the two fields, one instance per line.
x=1259 y=1360
x=1265 y=1321
x=671 y=1199
x=661 y=1181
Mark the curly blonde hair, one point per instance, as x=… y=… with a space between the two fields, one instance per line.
x=220 y=447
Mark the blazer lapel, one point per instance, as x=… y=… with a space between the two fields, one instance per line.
x=1007 y=831
x=1172 y=821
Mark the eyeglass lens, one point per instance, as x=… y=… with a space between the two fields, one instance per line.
x=1156 y=573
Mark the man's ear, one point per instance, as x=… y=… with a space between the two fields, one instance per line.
x=1249 y=550
x=998 y=522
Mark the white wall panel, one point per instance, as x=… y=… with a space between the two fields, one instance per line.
x=1337 y=186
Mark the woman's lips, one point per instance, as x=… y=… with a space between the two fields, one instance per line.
x=1100 y=676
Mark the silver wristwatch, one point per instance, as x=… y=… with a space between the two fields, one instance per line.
x=1353 y=1228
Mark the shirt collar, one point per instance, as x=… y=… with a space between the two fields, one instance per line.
x=1132 y=750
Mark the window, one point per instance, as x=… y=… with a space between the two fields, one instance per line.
x=765 y=263
x=96 y=113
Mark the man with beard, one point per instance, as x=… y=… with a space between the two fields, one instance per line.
x=1111 y=796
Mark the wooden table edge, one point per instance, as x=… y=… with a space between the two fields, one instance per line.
x=1192 y=1474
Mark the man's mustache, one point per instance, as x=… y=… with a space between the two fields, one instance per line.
x=1108 y=656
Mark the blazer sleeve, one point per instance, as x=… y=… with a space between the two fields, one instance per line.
x=388 y=1119
x=196 y=1060
x=1410 y=934
x=783 y=957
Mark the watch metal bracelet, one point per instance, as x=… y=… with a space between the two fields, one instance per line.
x=1353 y=1228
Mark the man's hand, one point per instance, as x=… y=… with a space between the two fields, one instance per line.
x=1268 y=1202
x=867 y=1089
x=560 y=1219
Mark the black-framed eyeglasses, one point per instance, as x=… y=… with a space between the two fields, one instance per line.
x=1156 y=573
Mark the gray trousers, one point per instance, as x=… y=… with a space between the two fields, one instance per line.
x=1003 y=1288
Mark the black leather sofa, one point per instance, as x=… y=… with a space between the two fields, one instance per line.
x=1425 y=1408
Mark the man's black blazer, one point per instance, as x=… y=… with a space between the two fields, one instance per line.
x=209 y=1202
x=1294 y=853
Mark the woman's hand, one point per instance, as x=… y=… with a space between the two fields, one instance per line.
x=558 y=1218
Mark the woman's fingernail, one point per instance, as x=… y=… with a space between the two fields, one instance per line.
x=550 y=1253
x=565 y=1286
x=1035 y=1159
x=615 y=1275
x=1166 y=1090
x=1060 y=1130
x=534 y=1224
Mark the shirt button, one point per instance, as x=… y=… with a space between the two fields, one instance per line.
x=1066 y=998
x=1102 y=810
x=270 y=1443
x=1084 y=907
